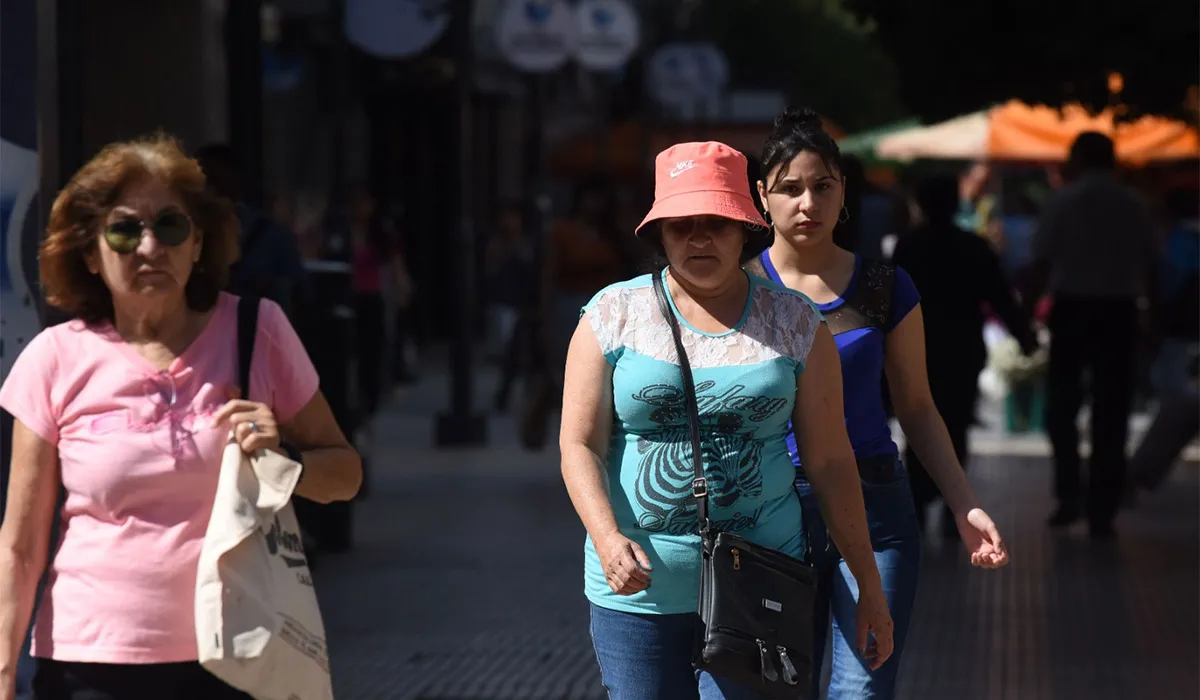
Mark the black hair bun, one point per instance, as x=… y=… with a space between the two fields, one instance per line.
x=798 y=118
x=797 y=130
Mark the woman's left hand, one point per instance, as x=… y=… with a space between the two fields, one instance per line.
x=253 y=425
x=982 y=539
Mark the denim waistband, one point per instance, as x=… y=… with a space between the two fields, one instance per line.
x=875 y=469
x=880 y=469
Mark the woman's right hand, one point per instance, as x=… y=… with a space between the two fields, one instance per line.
x=874 y=627
x=626 y=566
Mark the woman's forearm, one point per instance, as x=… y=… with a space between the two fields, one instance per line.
x=839 y=494
x=19 y=574
x=926 y=434
x=587 y=485
x=330 y=474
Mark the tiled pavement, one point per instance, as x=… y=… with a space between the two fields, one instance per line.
x=466 y=583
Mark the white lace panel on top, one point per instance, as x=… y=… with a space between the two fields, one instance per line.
x=779 y=325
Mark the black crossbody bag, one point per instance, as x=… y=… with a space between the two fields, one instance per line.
x=756 y=603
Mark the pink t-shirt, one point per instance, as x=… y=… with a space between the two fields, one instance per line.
x=140 y=459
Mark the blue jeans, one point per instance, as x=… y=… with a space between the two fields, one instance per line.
x=649 y=657
x=896 y=539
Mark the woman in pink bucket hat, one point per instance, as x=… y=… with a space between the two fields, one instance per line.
x=626 y=450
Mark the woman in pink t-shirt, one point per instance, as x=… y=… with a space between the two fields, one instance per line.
x=128 y=408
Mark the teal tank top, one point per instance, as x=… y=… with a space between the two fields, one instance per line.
x=746 y=389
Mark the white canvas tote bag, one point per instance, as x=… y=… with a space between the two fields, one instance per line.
x=258 y=624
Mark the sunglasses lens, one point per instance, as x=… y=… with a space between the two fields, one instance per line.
x=123 y=236
x=172 y=229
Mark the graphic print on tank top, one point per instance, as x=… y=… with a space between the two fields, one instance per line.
x=745 y=389
x=732 y=456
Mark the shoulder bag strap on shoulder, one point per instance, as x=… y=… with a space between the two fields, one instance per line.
x=247 y=329
x=699 y=483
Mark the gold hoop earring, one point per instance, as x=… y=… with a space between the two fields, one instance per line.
x=845 y=216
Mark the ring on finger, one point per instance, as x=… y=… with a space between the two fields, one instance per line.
x=253 y=427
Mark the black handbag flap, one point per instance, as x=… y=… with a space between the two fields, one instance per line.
x=794 y=568
x=761 y=593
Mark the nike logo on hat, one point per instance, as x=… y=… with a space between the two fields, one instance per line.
x=682 y=166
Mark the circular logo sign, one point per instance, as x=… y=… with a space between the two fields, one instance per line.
x=608 y=34
x=536 y=35
x=684 y=72
x=395 y=28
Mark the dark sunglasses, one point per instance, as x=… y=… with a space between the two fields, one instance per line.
x=170 y=228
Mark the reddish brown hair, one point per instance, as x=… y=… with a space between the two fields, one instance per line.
x=80 y=210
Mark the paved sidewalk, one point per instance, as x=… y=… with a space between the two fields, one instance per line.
x=466 y=583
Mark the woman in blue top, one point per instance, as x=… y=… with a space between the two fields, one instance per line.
x=626 y=453
x=873 y=312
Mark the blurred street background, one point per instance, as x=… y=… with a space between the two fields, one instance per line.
x=447 y=170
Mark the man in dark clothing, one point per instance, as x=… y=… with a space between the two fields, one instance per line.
x=1094 y=251
x=271 y=265
x=957 y=273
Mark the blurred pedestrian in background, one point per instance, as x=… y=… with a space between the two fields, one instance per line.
x=512 y=283
x=958 y=274
x=1096 y=253
x=586 y=251
x=270 y=265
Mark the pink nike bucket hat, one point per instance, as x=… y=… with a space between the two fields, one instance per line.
x=708 y=178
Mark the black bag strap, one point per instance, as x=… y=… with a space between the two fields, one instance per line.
x=699 y=482
x=247 y=329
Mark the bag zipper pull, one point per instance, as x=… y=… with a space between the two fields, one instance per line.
x=790 y=676
x=737 y=558
x=769 y=673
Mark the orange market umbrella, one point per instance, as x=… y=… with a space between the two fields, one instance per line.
x=1018 y=132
